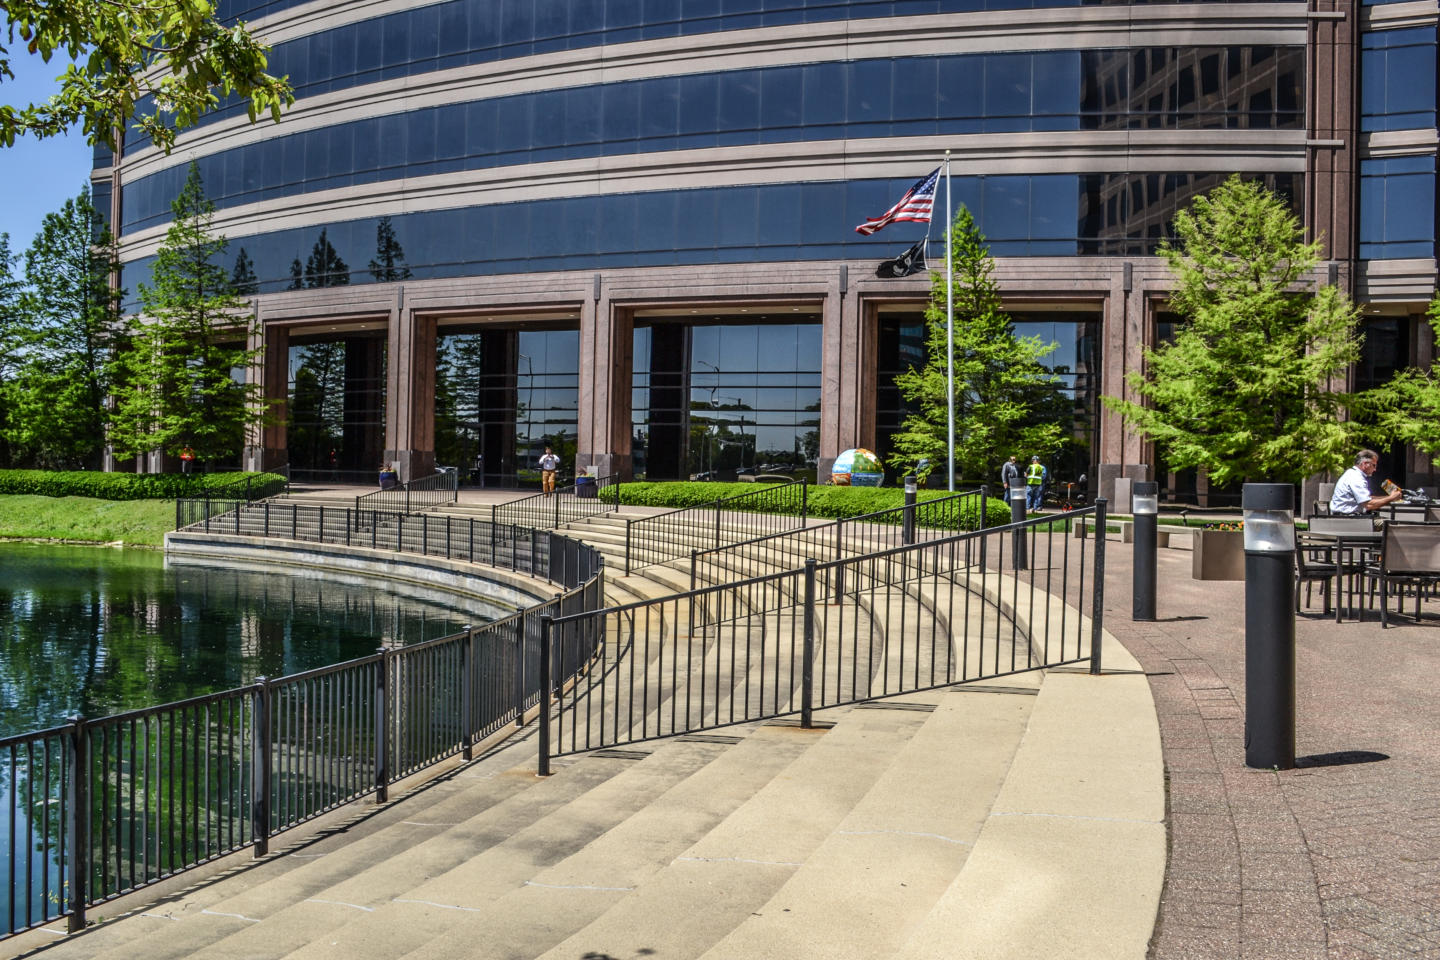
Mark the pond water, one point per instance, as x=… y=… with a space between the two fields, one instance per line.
x=96 y=631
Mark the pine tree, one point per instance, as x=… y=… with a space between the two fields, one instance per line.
x=1005 y=399
x=324 y=268
x=242 y=279
x=389 y=263
x=1245 y=389
x=297 y=275
x=62 y=342
x=179 y=385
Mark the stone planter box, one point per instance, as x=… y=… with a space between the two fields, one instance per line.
x=1218 y=555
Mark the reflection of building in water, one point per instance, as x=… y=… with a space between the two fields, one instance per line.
x=1202 y=88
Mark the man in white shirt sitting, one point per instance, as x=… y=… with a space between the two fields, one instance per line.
x=1352 y=496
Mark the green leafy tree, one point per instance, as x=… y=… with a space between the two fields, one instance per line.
x=1407 y=409
x=180 y=386
x=1245 y=390
x=1005 y=399
x=12 y=327
x=62 y=341
x=173 y=54
x=389 y=263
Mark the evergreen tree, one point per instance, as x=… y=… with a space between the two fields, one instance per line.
x=316 y=413
x=180 y=386
x=1245 y=388
x=62 y=341
x=297 y=275
x=389 y=263
x=242 y=279
x=1407 y=409
x=324 y=268
x=1005 y=400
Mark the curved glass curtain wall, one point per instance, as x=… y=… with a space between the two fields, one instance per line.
x=335 y=409
x=464 y=32
x=503 y=394
x=1254 y=87
x=1074 y=401
x=1043 y=215
x=720 y=398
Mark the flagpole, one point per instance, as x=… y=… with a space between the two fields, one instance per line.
x=949 y=333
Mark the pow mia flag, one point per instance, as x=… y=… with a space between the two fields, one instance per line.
x=911 y=261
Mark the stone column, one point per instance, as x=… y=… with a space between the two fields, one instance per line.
x=607 y=338
x=265 y=443
x=1332 y=141
x=410 y=392
x=847 y=384
x=1125 y=330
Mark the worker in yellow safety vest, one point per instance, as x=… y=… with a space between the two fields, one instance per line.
x=1035 y=477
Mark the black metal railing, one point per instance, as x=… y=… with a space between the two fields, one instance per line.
x=847 y=537
x=412 y=496
x=955 y=609
x=98 y=808
x=671 y=536
x=586 y=497
x=222 y=499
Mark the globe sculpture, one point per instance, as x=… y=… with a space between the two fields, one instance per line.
x=857 y=467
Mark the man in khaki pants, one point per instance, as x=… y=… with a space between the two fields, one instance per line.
x=549 y=464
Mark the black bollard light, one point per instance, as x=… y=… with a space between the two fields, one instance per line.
x=1269 y=513
x=908 y=528
x=1017 y=515
x=1145 y=506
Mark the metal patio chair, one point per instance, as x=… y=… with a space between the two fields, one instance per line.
x=1409 y=557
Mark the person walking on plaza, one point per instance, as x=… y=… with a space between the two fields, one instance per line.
x=187 y=460
x=549 y=464
x=1352 y=496
x=1035 y=477
x=1010 y=475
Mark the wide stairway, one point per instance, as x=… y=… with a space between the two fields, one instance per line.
x=1015 y=817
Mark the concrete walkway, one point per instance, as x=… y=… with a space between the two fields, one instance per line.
x=1339 y=858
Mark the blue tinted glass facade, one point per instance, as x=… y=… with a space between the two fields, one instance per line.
x=921 y=96
x=1040 y=215
x=1398 y=77
x=1397 y=207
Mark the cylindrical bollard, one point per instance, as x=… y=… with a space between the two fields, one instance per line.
x=1269 y=510
x=1145 y=506
x=1016 y=494
x=908 y=529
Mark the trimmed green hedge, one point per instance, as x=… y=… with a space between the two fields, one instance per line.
x=127 y=486
x=826 y=501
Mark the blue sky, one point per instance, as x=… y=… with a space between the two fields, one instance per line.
x=39 y=175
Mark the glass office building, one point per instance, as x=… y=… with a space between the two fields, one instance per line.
x=626 y=230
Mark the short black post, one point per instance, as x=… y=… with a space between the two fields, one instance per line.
x=467 y=691
x=260 y=765
x=543 y=767
x=382 y=727
x=807 y=669
x=907 y=534
x=1145 y=507
x=522 y=631
x=1097 y=596
x=1269 y=625
x=1018 y=553
x=77 y=822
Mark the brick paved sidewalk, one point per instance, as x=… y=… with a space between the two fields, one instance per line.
x=1339 y=858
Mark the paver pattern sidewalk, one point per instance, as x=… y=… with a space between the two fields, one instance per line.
x=1339 y=858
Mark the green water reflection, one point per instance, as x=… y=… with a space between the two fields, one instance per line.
x=97 y=631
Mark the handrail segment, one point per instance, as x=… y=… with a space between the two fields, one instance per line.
x=426 y=493
x=953 y=609
x=98 y=808
x=586 y=497
x=745 y=516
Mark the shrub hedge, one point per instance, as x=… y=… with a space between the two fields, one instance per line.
x=127 y=486
x=823 y=501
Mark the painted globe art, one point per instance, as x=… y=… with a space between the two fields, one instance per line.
x=857 y=467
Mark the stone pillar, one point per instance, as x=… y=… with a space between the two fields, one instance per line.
x=847 y=379
x=1332 y=141
x=410 y=392
x=1125 y=330
x=265 y=443
x=607 y=343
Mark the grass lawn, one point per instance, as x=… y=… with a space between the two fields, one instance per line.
x=139 y=522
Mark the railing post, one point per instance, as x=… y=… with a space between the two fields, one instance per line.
x=267 y=518
x=77 y=816
x=467 y=691
x=804 y=502
x=838 y=571
x=178 y=502
x=382 y=727
x=322 y=523
x=520 y=636
x=534 y=548
x=260 y=763
x=543 y=767
x=294 y=521
x=207 y=511
x=399 y=532
x=407 y=498
x=717 y=524
x=347 y=526
x=1097 y=603
x=627 y=546
x=556 y=495
x=807 y=670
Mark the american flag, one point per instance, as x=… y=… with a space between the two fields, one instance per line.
x=915 y=206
